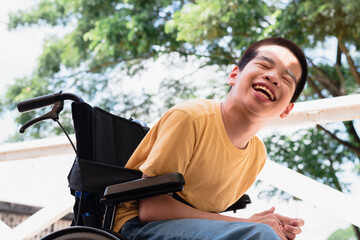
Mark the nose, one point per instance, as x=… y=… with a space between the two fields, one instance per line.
x=273 y=78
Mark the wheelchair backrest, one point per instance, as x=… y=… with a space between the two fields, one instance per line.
x=104 y=142
x=103 y=137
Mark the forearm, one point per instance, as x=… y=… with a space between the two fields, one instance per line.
x=165 y=207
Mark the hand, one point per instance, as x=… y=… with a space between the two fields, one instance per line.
x=268 y=217
x=291 y=226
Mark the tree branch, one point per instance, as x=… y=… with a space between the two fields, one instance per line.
x=312 y=84
x=342 y=80
x=334 y=91
x=338 y=55
x=97 y=68
x=352 y=131
x=326 y=80
x=353 y=71
x=335 y=179
x=345 y=143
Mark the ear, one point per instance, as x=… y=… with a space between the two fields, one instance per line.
x=287 y=110
x=233 y=75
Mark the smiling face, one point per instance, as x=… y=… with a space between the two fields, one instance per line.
x=267 y=83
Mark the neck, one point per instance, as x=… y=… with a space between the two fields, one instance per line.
x=239 y=125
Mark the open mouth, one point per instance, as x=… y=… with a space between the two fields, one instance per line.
x=264 y=91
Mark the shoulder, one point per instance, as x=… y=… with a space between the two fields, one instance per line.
x=197 y=108
x=189 y=116
x=259 y=153
x=258 y=145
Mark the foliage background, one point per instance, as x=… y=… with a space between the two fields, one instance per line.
x=111 y=43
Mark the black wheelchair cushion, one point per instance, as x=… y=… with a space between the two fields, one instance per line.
x=95 y=177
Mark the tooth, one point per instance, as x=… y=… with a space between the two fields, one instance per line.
x=268 y=91
x=271 y=96
x=264 y=95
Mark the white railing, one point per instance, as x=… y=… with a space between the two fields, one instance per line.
x=321 y=111
x=36 y=148
x=305 y=113
x=326 y=110
x=54 y=206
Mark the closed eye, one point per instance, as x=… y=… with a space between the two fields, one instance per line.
x=287 y=80
x=263 y=66
x=265 y=62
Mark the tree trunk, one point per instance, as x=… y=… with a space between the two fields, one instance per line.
x=357 y=232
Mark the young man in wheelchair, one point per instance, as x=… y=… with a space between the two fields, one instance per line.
x=215 y=148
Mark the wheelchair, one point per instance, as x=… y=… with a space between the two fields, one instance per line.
x=98 y=178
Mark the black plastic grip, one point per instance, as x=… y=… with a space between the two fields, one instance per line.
x=38 y=102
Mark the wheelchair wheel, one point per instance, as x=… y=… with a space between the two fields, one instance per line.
x=83 y=233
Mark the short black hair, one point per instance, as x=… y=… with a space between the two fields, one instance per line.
x=251 y=52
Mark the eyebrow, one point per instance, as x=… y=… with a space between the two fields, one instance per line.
x=291 y=75
x=273 y=63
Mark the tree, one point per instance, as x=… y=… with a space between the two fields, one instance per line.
x=343 y=234
x=113 y=37
x=316 y=23
x=117 y=37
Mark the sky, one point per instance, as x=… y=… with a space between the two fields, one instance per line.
x=19 y=50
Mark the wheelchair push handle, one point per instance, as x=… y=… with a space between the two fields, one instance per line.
x=38 y=102
x=43 y=101
x=57 y=100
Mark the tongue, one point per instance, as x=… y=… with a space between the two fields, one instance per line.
x=263 y=93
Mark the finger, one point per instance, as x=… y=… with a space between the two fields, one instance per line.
x=279 y=222
x=292 y=221
x=285 y=220
x=270 y=211
x=290 y=235
x=297 y=222
x=280 y=232
x=292 y=229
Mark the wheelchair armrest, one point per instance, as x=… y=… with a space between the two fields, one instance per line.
x=239 y=204
x=142 y=188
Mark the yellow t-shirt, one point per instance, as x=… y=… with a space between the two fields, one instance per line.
x=191 y=139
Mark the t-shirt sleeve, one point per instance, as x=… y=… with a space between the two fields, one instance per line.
x=173 y=144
